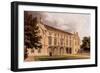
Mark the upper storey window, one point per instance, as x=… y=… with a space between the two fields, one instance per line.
x=50 y=40
x=50 y=33
x=55 y=41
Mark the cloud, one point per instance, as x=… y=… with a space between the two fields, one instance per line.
x=69 y=22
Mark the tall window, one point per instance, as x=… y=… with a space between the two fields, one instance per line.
x=55 y=34
x=70 y=43
x=66 y=42
x=50 y=40
x=55 y=41
x=61 y=40
x=66 y=50
x=50 y=34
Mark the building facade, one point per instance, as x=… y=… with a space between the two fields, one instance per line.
x=55 y=42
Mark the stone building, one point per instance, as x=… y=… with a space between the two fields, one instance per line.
x=56 y=42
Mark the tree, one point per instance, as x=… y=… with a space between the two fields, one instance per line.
x=86 y=44
x=31 y=31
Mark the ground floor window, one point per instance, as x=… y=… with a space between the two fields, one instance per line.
x=68 y=50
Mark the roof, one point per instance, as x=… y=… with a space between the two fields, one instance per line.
x=53 y=28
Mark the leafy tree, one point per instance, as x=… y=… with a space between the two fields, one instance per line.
x=86 y=44
x=31 y=31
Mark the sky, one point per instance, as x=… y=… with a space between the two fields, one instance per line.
x=69 y=22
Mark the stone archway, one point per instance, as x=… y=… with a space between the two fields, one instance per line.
x=50 y=51
x=55 y=51
x=67 y=50
x=70 y=50
x=61 y=51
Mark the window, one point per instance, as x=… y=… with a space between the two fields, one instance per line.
x=69 y=41
x=66 y=50
x=55 y=34
x=66 y=41
x=49 y=33
x=58 y=34
x=70 y=50
x=55 y=41
x=50 y=40
x=61 y=40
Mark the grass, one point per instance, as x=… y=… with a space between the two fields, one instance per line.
x=64 y=57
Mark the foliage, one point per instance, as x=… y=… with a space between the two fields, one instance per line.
x=31 y=32
x=86 y=44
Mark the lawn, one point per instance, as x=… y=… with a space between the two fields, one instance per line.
x=64 y=57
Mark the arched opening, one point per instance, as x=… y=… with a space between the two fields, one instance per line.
x=61 y=51
x=50 y=53
x=67 y=50
x=70 y=50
